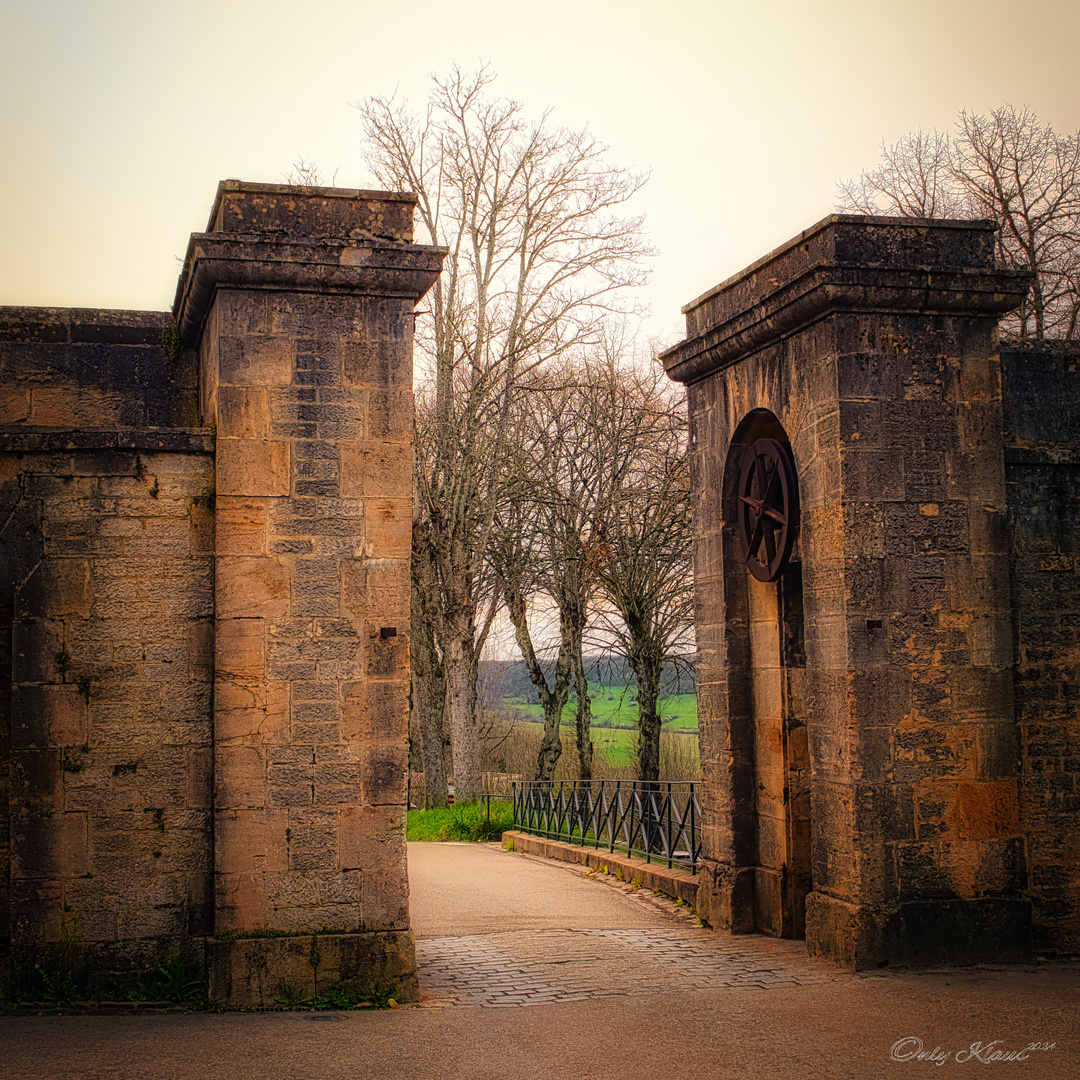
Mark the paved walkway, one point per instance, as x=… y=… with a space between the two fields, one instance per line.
x=623 y=986
x=540 y=932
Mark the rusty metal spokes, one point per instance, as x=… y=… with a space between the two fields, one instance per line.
x=767 y=508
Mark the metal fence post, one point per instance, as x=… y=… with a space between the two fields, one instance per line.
x=695 y=842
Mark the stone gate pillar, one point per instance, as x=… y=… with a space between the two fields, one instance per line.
x=300 y=304
x=879 y=660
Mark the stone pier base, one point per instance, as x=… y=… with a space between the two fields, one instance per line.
x=725 y=898
x=921 y=934
x=254 y=970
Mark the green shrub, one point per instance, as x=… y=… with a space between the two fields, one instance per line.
x=463 y=821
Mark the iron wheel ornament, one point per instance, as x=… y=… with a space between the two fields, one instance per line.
x=767 y=508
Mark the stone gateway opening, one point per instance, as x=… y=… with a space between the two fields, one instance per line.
x=770 y=781
x=206 y=534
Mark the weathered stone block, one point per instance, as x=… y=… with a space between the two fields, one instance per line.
x=49 y=847
x=70 y=407
x=58 y=587
x=255 y=361
x=48 y=716
x=240 y=526
x=252 y=467
x=255 y=839
x=240 y=900
x=14 y=405
x=375 y=711
x=388 y=528
x=251 y=587
x=243 y=412
x=386 y=898
x=240 y=649
x=389 y=414
x=240 y=777
x=313 y=212
x=369 y=836
x=38 y=653
x=252 y=714
x=383 y=774
x=376 y=470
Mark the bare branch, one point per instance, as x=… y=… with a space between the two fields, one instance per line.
x=1005 y=166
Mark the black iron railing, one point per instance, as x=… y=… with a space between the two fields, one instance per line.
x=660 y=821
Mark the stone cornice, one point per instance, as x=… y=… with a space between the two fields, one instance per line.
x=846 y=264
x=368 y=267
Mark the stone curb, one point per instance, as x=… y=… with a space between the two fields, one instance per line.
x=678 y=884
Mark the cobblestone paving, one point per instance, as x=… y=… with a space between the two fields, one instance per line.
x=540 y=967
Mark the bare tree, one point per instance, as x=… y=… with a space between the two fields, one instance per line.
x=644 y=557
x=914 y=179
x=572 y=424
x=1005 y=166
x=537 y=255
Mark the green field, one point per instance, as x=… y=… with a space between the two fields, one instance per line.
x=615 y=718
x=616 y=707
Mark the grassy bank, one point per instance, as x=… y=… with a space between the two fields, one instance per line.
x=465 y=821
x=515 y=746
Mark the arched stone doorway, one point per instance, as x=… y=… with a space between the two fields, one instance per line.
x=771 y=819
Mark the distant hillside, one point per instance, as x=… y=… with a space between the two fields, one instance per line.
x=501 y=679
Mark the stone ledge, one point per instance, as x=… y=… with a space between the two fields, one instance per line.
x=678 y=884
x=82 y=326
x=245 y=207
x=52 y=440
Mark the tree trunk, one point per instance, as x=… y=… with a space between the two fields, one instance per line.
x=583 y=718
x=648 y=734
x=464 y=734
x=551 y=744
x=647 y=668
x=552 y=699
x=428 y=702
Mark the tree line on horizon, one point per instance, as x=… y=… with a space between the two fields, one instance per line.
x=504 y=679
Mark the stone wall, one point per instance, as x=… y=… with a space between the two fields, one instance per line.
x=1041 y=385
x=107 y=559
x=868 y=347
x=206 y=523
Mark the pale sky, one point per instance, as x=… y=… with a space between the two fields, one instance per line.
x=119 y=117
